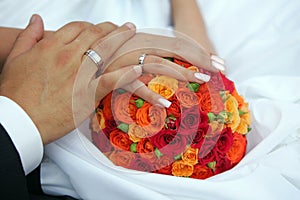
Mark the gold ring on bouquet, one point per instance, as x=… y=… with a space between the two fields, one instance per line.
x=94 y=56
x=141 y=59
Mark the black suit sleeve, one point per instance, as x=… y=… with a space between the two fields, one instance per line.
x=13 y=183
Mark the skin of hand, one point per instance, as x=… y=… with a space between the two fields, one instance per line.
x=155 y=47
x=44 y=75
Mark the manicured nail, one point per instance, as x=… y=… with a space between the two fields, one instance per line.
x=138 y=69
x=218 y=66
x=164 y=102
x=32 y=19
x=202 y=77
x=217 y=59
x=131 y=26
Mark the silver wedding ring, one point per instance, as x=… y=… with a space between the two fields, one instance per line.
x=94 y=56
x=141 y=59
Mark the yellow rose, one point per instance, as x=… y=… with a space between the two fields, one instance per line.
x=163 y=85
x=190 y=156
x=231 y=106
x=181 y=168
x=98 y=121
x=136 y=133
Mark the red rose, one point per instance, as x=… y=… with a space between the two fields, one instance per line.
x=101 y=141
x=225 y=141
x=172 y=123
x=208 y=147
x=169 y=142
x=163 y=165
x=198 y=138
x=110 y=125
x=228 y=84
x=222 y=164
x=189 y=121
x=120 y=140
x=107 y=111
x=174 y=110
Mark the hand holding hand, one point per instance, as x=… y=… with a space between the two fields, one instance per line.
x=50 y=78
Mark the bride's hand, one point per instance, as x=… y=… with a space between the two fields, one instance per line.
x=156 y=47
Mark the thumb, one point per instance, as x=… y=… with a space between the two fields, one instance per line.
x=28 y=37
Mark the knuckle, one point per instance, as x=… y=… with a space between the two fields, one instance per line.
x=110 y=24
x=46 y=43
x=95 y=30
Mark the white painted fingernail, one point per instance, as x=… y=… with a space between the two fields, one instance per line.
x=131 y=26
x=164 y=102
x=217 y=65
x=202 y=77
x=217 y=59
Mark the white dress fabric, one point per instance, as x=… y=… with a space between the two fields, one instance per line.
x=260 y=41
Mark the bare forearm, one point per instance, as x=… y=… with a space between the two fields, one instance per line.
x=188 y=20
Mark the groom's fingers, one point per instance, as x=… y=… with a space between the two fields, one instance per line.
x=28 y=37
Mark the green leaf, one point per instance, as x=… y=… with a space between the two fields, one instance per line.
x=242 y=112
x=249 y=129
x=178 y=157
x=133 y=147
x=211 y=116
x=212 y=165
x=172 y=117
x=123 y=127
x=139 y=103
x=193 y=87
x=170 y=59
x=158 y=153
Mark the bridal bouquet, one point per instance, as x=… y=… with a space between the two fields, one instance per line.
x=203 y=132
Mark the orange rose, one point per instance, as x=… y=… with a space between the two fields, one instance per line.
x=205 y=102
x=122 y=158
x=107 y=111
x=182 y=63
x=181 y=168
x=136 y=133
x=239 y=98
x=186 y=98
x=202 y=172
x=163 y=85
x=124 y=108
x=151 y=118
x=120 y=140
x=146 y=150
x=190 y=156
x=238 y=148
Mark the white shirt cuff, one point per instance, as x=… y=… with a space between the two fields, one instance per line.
x=22 y=132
